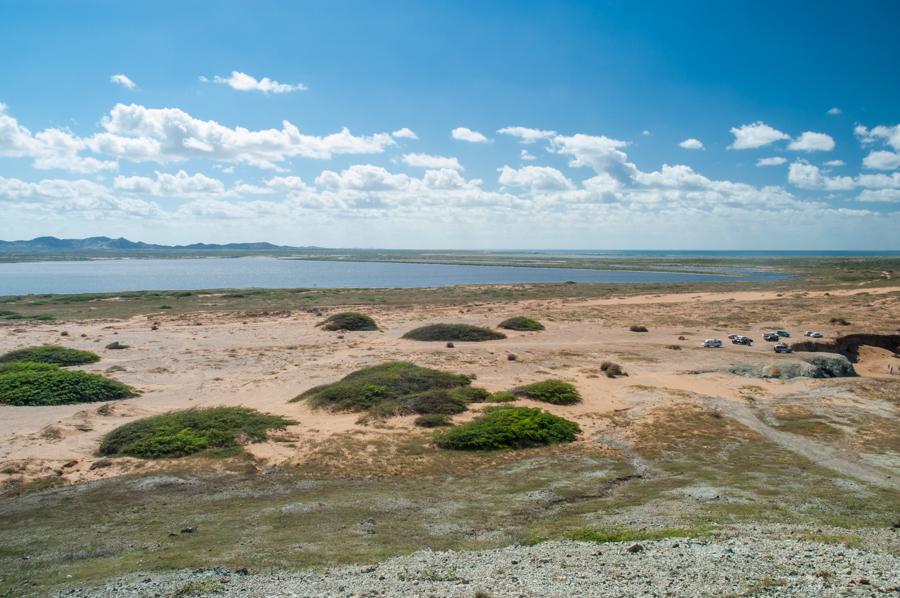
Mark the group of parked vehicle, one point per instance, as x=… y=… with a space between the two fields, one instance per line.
x=775 y=337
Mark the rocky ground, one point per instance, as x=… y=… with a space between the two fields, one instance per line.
x=740 y=566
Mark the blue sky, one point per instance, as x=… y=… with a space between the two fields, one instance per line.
x=648 y=125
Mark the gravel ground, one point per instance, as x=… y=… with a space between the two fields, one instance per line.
x=672 y=567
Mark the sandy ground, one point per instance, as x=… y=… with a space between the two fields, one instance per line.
x=262 y=362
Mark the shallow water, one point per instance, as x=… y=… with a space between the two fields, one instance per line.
x=265 y=272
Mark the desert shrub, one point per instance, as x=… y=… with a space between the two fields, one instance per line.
x=54 y=354
x=396 y=388
x=839 y=321
x=555 y=392
x=27 y=383
x=508 y=427
x=190 y=431
x=612 y=369
x=349 y=320
x=453 y=332
x=502 y=396
x=638 y=328
x=521 y=323
x=433 y=420
x=674 y=347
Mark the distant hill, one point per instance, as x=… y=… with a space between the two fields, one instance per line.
x=122 y=245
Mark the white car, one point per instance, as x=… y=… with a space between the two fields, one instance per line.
x=816 y=335
x=712 y=343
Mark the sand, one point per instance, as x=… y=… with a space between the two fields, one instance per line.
x=264 y=361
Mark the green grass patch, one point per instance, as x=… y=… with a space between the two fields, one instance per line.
x=627 y=535
x=181 y=433
x=555 y=392
x=521 y=323
x=508 y=427
x=433 y=420
x=349 y=320
x=502 y=396
x=396 y=388
x=26 y=383
x=453 y=332
x=6 y=314
x=54 y=354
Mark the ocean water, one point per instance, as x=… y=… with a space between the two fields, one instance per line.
x=264 y=272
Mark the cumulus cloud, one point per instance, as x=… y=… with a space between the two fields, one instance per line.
x=882 y=160
x=886 y=134
x=603 y=154
x=834 y=163
x=122 y=80
x=362 y=177
x=429 y=161
x=755 y=135
x=535 y=178
x=404 y=133
x=180 y=184
x=835 y=111
x=465 y=134
x=244 y=82
x=691 y=144
x=880 y=195
x=773 y=161
x=60 y=196
x=526 y=134
x=808 y=176
x=526 y=155
x=810 y=141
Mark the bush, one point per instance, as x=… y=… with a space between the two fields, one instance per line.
x=522 y=323
x=348 y=320
x=190 y=431
x=453 y=332
x=839 y=321
x=433 y=420
x=613 y=369
x=638 y=328
x=508 y=427
x=503 y=396
x=555 y=392
x=396 y=388
x=26 y=383
x=54 y=354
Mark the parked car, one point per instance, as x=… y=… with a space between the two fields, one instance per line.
x=742 y=340
x=816 y=335
x=732 y=336
x=784 y=333
x=712 y=343
x=783 y=348
x=771 y=337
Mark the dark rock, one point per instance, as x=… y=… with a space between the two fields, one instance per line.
x=188 y=530
x=511 y=357
x=116 y=345
x=635 y=548
x=242 y=571
x=450 y=345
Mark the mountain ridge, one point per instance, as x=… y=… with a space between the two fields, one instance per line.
x=50 y=243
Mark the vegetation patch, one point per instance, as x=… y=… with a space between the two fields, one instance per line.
x=6 y=314
x=348 y=320
x=612 y=369
x=522 y=323
x=433 y=420
x=508 y=427
x=397 y=388
x=638 y=328
x=190 y=431
x=555 y=392
x=502 y=396
x=627 y=535
x=54 y=354
x=28 y=383
x=453 y=332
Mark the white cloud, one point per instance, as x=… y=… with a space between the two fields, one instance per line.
x=888 y=134
x=880 y=195
x=362 y=177
x=535 y=178
x=432 y=162
x=603 y=154
x=465 y=134
x=810 y=141
x=171 y=135
x=404 y=133
x=58 y=197
x=691 y=144
x=527 y=135
x=834 y=111
x=808 y=176
x=443 y=178
x=122 y=80
x=646 y=133
x=882 y=160
x=773 y=161
x=526 y=155
x=834 y=163
x=180 y=184
x=244 y=82
x=755 y=135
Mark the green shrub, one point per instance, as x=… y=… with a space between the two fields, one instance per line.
x=54 y=354
x=26 y=383
x=433 y=420
x=453 y=332
x=508 y=427
x=522 y=323
x=503 y=396
x=396 y=388
x=555 y=392
x=349 y=320
x=190 y=431
x=5 y=314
